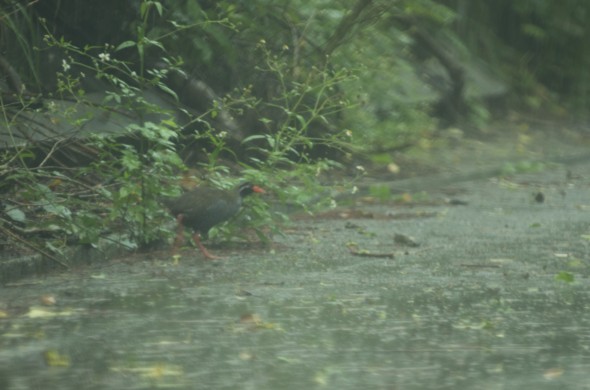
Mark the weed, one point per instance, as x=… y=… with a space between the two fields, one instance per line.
x=111 y=188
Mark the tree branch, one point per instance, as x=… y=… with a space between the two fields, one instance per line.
x=345 y=27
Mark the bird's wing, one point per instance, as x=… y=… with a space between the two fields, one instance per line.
x=222 y=209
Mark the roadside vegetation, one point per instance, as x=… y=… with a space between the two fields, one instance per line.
x=107 y=108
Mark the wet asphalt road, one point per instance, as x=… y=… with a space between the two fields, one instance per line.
x=495 y=296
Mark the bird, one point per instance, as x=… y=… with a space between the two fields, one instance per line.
x=204 y=207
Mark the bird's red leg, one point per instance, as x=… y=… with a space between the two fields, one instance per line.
x=178 y=241
x=204 y=251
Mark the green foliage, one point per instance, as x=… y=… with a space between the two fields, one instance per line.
x=20 y=29
x=116 y=196
x=142 y=175
x=121 y=200
x=279 y=155
x=383 y=118
x=390 y=107
x=311 y=81
x=296 y=106
x=537 y=45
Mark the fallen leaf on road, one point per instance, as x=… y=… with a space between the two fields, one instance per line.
x=41 y=312
x=55 y=359
x=365 y=253
x=553 y=373
x=254 y=322
x=48 y=299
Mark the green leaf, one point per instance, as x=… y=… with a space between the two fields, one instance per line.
x=58 y=209
x=253 y=138
x=49 y=245
x=167 y=90
x=123 y=192
x=301 y=120
x=159 y=7
x=154 y=43
x=564 y=276
x=16 y=215
x=125 y=45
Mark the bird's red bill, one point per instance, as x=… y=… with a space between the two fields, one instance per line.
x=258 y=189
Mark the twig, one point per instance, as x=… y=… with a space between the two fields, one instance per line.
x=365 y=253
x=33 y=247
x=50 y=153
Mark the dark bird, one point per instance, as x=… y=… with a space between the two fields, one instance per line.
x=204 y=207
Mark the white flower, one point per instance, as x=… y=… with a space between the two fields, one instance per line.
x=355 y=189
x=360 y=168
x=104 y=57
x=65 y=65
